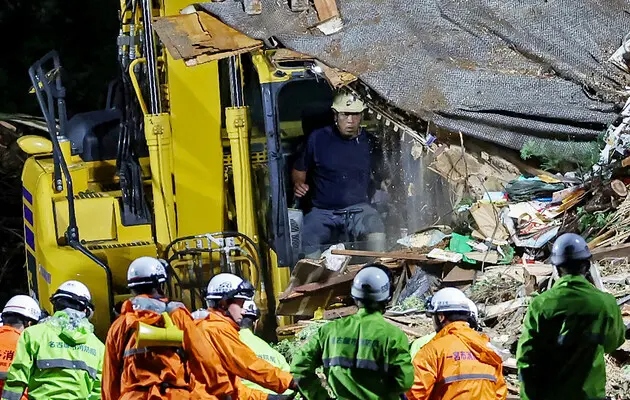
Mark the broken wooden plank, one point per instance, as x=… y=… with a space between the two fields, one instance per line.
x=405 y=328
x=393 y=255
x=618 y=251
x=326 y=9
x=504 y=307
x=330 y=283
x=199 y=37
x=340 y=312
x=459 y=276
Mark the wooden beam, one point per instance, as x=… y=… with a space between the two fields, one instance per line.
x=620 y=251
x=326 y=9
x=393 y=255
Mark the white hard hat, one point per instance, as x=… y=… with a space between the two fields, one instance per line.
x=448 y=300
x=250 y=310
x=146 y=271
x=371 y=284
x=474 y=312
x=76 y=291
x=23 y=305
x=348 y=103
x=226 y=286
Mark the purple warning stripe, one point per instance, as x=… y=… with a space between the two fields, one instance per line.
x=27 y=195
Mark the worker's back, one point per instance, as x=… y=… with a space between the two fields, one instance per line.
x=133 y=372
x=566 y=332
x=364 y=357
x=457 y=363
x=58 y=358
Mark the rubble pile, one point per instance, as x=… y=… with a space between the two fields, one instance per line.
x=496 y=250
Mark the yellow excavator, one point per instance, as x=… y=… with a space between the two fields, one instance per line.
x=190 y=164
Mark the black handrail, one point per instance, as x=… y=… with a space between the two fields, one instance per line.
x=42 y=84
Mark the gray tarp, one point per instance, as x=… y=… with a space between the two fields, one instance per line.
x=503 y=71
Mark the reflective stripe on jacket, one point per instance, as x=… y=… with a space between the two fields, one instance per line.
x=364 y=357
x=238 y=359
x=456 y=364
x=566 y=332
x=59 y=358
x=9 y=337
x=140 y=373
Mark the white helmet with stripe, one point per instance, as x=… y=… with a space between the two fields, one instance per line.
x=77 y=291
x=23 y=305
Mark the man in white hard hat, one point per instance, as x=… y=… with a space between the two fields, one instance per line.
x=60 y=356
x=226 y=295
x=472 y=322
x=339 y=160
x=364 y=357
x=457 y=362
x=170 y=372
x=19 y=313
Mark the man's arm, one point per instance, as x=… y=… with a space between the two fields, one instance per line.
x=400 y=368
x=247 y=393
x=301 y=166
x=19 y=372
x=243 y=362
x=204 y=359
x=300 y=187
x=303 y=366
x=425 y=368
x=616 y=332
x=528 y=350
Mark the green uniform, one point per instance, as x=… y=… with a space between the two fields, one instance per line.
x=267 y=353
x=60 y=358
x=419 y=343
x=566 y=332
x=364 y=357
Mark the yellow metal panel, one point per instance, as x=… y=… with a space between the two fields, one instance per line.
x=157 y=130
x=195 y=108
x=197 y=150
x=95 y=217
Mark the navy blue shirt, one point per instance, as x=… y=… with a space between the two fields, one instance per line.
x=340 y=168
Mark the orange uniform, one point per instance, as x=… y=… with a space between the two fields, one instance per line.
x=130 y=373
x=240 y=361
x=456 y=364
x=8 y=341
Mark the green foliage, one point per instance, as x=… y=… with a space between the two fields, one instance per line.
x=597 y=219
x=559 y=156
x=288 y=347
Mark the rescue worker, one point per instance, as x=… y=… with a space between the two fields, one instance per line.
x=457 y=362
x=226 y=294
x=472 y=322
x=364 y=357
x=61 y=357
x=251 y=313
x=131 y=371
x=19 y=313
x=567 y=330
x=339 y=160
